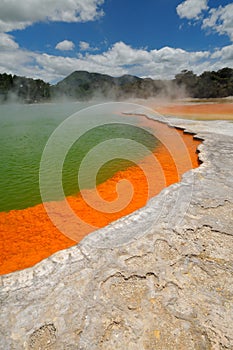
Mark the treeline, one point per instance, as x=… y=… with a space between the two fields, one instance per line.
x=81 y=85
x=208 y=84
x=21 y=89
x=85 y=85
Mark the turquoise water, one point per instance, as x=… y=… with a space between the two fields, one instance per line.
x=24 y=132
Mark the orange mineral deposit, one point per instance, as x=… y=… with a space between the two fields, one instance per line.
x=28 y=236
x=202 y=111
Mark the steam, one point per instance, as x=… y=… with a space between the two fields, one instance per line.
x=84 y=86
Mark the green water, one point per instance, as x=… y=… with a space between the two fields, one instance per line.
x=24 y=131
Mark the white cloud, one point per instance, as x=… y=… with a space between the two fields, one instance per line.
x=7 y=42
x=7 y=26
x=225 y=54
x=84 y=46
x=119 y=55
x=191 y=8
x=57 y=67
x=16 y=14
x=220 y=20
x=118 y=60
x=65 y=45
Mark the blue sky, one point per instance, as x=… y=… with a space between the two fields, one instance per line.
x=49 y=39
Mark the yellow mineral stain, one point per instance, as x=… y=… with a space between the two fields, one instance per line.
x=157 y=334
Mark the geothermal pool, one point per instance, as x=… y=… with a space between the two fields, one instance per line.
x=27 y=233
x=200 y=111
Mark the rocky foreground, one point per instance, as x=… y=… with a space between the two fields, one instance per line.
x=161 y=278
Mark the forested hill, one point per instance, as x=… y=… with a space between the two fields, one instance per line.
x=81 y=85
x=208 y=84
x=21 y=89
x=85 y=85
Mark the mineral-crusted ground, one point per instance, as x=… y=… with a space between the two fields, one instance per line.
x=161 y=278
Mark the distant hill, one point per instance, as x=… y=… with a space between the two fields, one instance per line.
x=82 y=85
x=85 y=85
